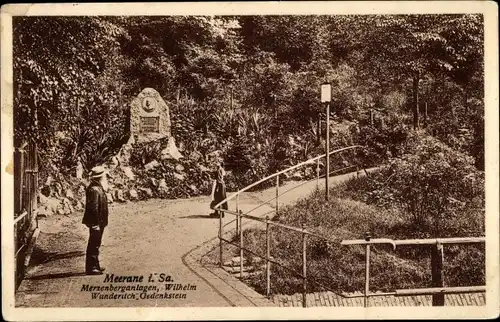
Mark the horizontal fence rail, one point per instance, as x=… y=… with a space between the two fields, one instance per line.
x=438 y=290
x=269 y=260
x=441 y=290
x=431 y=241
x=308 y=162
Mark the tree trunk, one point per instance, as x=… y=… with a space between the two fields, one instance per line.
x=425 y=115
x=466 y=107
x=416 y=80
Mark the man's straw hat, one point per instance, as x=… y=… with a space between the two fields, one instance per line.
x=97 y=172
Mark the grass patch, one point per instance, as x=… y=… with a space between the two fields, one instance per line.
x=337 y=268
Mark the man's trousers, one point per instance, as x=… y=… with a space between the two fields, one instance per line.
x=92 y=255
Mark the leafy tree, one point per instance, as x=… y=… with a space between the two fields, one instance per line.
x=415 y=46
x=258 y=75
x=436 y=185
x=59 y=65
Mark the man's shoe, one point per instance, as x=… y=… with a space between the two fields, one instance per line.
x=95 y=271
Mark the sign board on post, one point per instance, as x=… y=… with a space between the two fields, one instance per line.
x=326 y=93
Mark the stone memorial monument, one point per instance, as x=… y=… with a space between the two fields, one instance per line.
x=150 y=121
x=149 y=117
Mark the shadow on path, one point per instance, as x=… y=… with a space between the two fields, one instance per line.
x=54 y=276
x=199 y=216
x=41 y=257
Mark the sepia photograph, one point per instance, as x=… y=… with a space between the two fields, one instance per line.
x=249 y=159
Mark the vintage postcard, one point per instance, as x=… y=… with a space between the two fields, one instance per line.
x=250 y=160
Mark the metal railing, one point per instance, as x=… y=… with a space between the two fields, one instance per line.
x=438 y=290
x=305 y=233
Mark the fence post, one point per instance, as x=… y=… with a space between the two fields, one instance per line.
x=277 y=192
x=241 y=244
x=268 y=256
x=304 y=265
x=220 y=238
x=19 y=179
x=237 y=217
x=327 y=176
x=367 y=269
x=437 y=273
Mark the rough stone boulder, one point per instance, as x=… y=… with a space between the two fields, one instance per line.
x=214 y=156
x=133 y=194
x=151 y=165
x=147 y=192
x=47 y=205
x=128 y=172
x=46 y=191
x=119 y=195
x=171 y=151
x=79 y=205
x=203 y=168
x=69 y=194
x=195 y=156
x=109 y=195
x=162 y=187
x=180 y=176
x=194 y=189
x=297 y=176
x=64 y=207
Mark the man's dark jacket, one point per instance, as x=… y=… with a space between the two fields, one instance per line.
x=96 y=206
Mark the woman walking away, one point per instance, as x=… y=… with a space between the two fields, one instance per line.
x=219 y=190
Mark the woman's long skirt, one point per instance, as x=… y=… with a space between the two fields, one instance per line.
x=219 y=195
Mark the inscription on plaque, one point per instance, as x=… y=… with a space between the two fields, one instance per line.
x=150 y=124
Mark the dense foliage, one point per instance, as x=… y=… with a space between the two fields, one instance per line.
x=438 y=189
x=407 y=87
x=248 y=86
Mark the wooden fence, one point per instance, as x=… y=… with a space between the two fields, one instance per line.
x=25 y=205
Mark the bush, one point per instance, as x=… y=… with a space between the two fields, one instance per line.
x=383 y=139
x=437 y=187
x=143 y=153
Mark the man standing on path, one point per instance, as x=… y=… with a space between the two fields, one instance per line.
x=96 y=218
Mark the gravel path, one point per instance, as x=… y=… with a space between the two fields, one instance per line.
x=142 y=238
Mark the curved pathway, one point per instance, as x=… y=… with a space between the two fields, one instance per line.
x=143 y=238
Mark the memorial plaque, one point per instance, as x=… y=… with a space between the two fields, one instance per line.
x=150 y=124
x=149 y=117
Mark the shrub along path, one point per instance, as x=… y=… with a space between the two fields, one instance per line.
x=143 y=238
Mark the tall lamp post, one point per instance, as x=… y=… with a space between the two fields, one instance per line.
x=326 y=97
